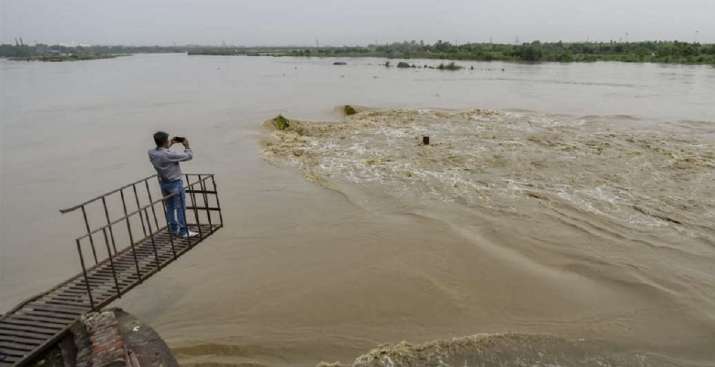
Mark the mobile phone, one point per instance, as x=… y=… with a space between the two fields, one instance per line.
x=179 y=139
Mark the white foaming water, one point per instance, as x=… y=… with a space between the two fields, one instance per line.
x=490 y=159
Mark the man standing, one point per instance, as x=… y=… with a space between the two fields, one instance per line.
x=166 y=163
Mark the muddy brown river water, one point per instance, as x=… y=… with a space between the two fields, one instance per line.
x=568 y=205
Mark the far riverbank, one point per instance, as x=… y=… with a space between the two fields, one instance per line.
x=667 y=52
x=664 y=52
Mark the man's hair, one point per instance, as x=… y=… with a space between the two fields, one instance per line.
x=160 y=138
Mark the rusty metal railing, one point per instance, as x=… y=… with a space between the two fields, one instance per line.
x=125 y=242
x=130 y=241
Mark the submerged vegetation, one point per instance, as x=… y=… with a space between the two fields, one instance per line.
x=450 y=66
x=281 y=123
x=442 y=66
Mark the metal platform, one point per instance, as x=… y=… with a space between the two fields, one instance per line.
x=38 y=323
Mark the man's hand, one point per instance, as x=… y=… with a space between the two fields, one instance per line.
x=185 y=143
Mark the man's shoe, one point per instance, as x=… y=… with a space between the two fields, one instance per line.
x=189 y=234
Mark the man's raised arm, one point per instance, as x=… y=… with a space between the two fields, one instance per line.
x=184 y=156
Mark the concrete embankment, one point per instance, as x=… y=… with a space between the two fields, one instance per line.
x=109 y=338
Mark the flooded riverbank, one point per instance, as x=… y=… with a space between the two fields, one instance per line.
x=305 y=272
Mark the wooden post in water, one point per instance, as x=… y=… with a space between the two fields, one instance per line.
x=425 y=140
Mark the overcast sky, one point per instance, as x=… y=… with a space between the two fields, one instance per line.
x=333 y=22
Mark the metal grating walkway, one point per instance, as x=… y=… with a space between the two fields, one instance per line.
x=38 y=323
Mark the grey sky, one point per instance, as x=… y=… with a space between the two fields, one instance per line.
x=333 y=22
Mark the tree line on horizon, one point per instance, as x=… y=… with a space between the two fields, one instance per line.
x=646 y=51
x=41 y=50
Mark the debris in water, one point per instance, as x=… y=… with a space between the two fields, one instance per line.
x=281 y=123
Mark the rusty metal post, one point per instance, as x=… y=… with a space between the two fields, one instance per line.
x=218 y=204
x=206 y=202
x=151 y=201
x=84 y=272
x=111 y=262
x=131 y=236
x=89 y=233
x=153 y=244
x=109 y=224
x=141 y=217
x=168 y=230
x=193 y=204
